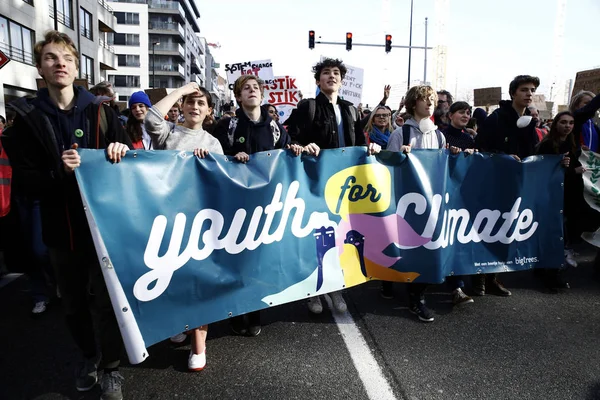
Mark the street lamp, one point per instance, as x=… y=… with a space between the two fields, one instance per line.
x=153 y=61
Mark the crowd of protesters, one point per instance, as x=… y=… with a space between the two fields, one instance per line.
x=42 y=134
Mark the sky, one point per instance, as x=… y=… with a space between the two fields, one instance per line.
x=488 y=42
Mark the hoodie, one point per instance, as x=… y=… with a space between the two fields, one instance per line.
x=423 y=135
x=71 y=126
x=500 y=133
x=251 y=137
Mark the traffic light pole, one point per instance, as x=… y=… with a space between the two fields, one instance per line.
x=375 y=45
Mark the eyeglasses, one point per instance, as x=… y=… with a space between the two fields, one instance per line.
x=383 y=115
x=442 y=101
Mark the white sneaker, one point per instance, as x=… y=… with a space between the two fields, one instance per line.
x=39 y=307
x=338 y=302
x=179 y=338
x=197 y=362
x=570 y=258
x=314 y=305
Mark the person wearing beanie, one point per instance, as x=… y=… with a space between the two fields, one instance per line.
x=139 y=104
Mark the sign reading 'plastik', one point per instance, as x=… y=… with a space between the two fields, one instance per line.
x=283 y=94
x=261 y=68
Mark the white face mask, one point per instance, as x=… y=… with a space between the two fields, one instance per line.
x=524 y=121
x=426 y=125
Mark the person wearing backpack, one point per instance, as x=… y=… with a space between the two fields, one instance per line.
x=329 y=122
x=419 y=132
x=252 y=130
x=41 y=147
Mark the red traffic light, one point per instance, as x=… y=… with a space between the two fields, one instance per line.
x=388 y=43
x=311 y=39
x=349 y=35
x=388 y=37
x=349 y=41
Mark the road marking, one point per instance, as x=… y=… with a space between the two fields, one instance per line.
x=370 y=373
x=8 y=278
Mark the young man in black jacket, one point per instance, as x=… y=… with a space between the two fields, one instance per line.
x=41 y=146
x=328 y=122
x=508 y=130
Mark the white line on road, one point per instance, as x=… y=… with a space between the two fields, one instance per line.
x=8 y=278
x=370 y=373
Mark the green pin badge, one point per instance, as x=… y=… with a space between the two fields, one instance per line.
x=78 y=133
x=241 y=140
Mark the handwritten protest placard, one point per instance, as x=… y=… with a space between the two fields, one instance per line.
x=487 y=96
x=261 y=68
x=283 y=94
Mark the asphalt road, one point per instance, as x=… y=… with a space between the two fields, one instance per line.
x=532 y=345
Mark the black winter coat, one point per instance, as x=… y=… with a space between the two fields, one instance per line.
x=34 y=150
x=323 y=130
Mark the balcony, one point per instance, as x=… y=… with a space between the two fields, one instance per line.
x=106 y=56
x=168 y=70
x=106 y=18
x=166 y=7
x=198 y=78
x=168 y=49
x=17 y=54
x=166 y=28
x=66 y=20
x=197 y=65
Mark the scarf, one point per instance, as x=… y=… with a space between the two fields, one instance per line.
x=381 y=138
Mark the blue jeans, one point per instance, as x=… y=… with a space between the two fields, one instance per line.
x=39 y=271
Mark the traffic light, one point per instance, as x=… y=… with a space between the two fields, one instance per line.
x=311 y=39
x=388 y=43
x=349 y=41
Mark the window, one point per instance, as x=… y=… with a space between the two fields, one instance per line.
x=85 y=21
x=124 y=80
x=127 y=18
x=127 y=39
x=87 y=68
x=123 y=98
x=127 y=60
x=63 y=11
x=30 y=2
x=16 y=41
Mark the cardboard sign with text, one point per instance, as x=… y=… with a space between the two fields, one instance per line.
x=156 y=95
x=283 y=94
x=352 y=85
x=487 y=96
x=539 y=102
x=261 y=68
x=587 y=80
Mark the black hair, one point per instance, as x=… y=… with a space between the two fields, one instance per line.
x=329 y=63
x=266 y=107
x=553 y=137
x=521 y=80
x=458 y=106
x=447 y=94
x=209 y=100
x=2 y=119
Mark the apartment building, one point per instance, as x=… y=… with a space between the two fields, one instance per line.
x=157 y=44
x=24 y=22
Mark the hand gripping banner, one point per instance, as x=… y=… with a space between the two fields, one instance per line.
x=183 y=241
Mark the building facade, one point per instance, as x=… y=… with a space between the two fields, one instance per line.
x=24 y=22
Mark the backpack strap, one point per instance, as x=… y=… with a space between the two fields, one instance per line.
x=439 y=137
x=405 y=135
x=233 y=121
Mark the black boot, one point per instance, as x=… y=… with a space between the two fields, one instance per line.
x=478 y=284
x=254 y=323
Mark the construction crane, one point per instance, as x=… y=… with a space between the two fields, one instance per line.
x=441 y=12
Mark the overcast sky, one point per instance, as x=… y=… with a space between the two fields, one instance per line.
x=489 y=42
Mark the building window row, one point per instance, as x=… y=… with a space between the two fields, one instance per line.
x=127 y=18
x=124 y=80
x=16 y=41
x=126 y=39
x=86 y=67
x=85 y=23
x=128 y=60
x=63 y=12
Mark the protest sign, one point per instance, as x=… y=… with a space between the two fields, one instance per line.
x=217 y=238
x=283 y=94
x=261 y=68
x=587 y=80
x=487 y=96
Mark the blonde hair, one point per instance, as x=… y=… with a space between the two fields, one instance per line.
x=574 y=104
x=242 y=80
x=57 y=38
x=369 y=126
x=415 y=93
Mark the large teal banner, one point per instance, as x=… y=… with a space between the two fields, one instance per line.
x=184 y=241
